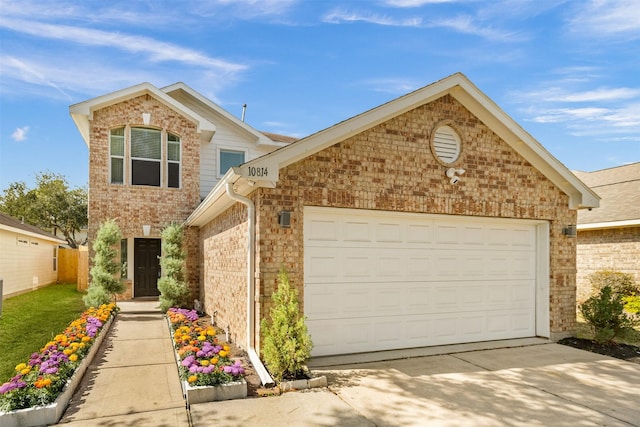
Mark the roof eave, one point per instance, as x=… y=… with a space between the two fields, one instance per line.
x=51 y=238
x=82 y=113
x=609 y=224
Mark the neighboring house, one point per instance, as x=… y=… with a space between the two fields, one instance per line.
x=431 y=219
x=28 y=256
x=609 y=237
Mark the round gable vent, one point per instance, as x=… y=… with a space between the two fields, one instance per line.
x=446 y=144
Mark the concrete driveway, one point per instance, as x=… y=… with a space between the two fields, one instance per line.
x=537 y=385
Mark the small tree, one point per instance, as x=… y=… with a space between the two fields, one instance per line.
x=174 y=292
x=605 y=314
x=287 y=344
x=105 y=283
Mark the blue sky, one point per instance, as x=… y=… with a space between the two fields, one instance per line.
x=567 y=71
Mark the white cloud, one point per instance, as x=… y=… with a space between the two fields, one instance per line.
x=396 y=86
x=467 y=25
x=607 y=18
x=339 y=16
x=556 y=94
x=156 y=50
x=415 y=3
x=20 y=134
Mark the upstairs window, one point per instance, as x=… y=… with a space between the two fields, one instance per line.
x=229 y=159
x=173 y=161
x=116 y=152
x=146 y=149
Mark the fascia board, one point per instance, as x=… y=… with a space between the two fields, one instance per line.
x=325 y=138
x=609 y=224
x=244 y=127
x=32 y=234
x=215 y=203
x=580 y=195
x=82 y=112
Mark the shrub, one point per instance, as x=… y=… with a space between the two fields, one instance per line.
x=620 y=283
x=604 y=312
x=174 y=292
x=104 y=283
x=632 y=304
x=287 y=343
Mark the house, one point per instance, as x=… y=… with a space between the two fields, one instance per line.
x=431 y=219
x=609 y=237
x=28 y=257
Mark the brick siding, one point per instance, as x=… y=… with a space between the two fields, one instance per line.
x=133 y=206
x=391 y=167
x=615 y=249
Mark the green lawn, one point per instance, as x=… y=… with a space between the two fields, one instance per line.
x=30 y=320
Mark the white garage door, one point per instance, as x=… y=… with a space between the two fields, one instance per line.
x=380 y=280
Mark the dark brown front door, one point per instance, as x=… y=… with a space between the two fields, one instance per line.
x=146 y=256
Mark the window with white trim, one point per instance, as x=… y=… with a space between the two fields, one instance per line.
x=229 y=159
x=146 y=156
x=173 y=161
x=116 y=153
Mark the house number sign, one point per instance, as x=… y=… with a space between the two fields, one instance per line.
x=259 y=172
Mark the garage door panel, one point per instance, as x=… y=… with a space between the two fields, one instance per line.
x=407 y=280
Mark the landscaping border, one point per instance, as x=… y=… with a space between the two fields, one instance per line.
x=52 y=413
x=201 y=394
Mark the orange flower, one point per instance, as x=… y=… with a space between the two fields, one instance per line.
x=192 y=378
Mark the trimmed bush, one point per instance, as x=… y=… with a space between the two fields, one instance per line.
x=287 y=343
x=174 y=292
x=105 y=284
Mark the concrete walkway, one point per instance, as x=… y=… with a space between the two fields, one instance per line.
x=133 y=381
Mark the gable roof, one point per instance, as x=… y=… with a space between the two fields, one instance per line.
x=456 y=85
x=192 y=99
x=11 y=224
x=619 y=188
x=82 y=112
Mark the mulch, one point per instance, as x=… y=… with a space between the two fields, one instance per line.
x=626 y=352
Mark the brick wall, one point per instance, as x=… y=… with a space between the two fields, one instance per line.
x=615 y=249
x=391 y=167
x=133 y=206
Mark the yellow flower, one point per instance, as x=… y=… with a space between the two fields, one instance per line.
x=21 y=366
x=67 y=351
x=25 y=371
x=214 y=361
x=201 y=338
x=226 y=348
x=192 y=378
x=211 y=331
x=86 y=339
x=204 y=362
x=73 y=357
x=223 y=353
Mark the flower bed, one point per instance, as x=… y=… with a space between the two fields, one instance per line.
x=206 y=369
x=42 y=387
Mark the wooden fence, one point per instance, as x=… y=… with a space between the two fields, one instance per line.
x=73 y=266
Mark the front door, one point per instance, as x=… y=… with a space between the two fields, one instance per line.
x=146 y=256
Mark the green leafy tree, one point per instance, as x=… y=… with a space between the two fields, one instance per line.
x=52 y=205
x=174 y=292
x=105 y=281
x=287 y=343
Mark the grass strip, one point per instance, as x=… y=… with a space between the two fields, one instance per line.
x=28 y=321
